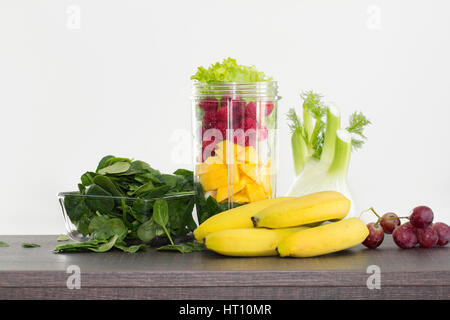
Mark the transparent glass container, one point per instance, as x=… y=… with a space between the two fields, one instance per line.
x=235 y=136
x=74 y=204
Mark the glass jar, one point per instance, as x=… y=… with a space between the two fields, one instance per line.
x=235 y=142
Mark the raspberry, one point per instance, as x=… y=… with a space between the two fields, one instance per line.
x=222 y=113
x=268 y=107
x=209 y=104
x=209 y=119
x=249 y=124
x=222 y=127
x=250 y=110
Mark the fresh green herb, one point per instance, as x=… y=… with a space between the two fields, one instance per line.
x=123 y=199
x=3 y=244
x=30 y=245
x=63 y=237
x=356 y=126
x=229 y=71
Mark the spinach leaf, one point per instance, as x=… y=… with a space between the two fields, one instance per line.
x=102 y=227
x=3 y=244
x=98 y=199
x=145 y=188
x=30 y=245
x=102 y=162
x=130 y=249
x=156 y=192
x=149 y=230
x=87 y=179
x=183 y=247
x=106 y=246
x=161 y=215
x=137 y=167
x=108 y=185
x=115 y=168
x=78 y=246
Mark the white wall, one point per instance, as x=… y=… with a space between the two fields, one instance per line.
x=118 y=83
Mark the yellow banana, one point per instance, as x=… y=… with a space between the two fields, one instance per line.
x=248 y=242
x=324 y=239
x=307 y=209
x=235 y=218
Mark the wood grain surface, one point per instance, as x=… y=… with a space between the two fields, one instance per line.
x=38 y=273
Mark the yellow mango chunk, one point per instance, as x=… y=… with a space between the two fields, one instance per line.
x=217 y=177
x=204 y=167
x=248 y=155
x=213 y=160
x=222 y=152
x=213 y=180
x=255 y=192
x=241 y=197
x=225 y=192
x=249 y=169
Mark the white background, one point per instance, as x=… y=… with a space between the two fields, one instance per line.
x=114 y=79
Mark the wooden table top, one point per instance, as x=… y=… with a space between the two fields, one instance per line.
x=38 y=273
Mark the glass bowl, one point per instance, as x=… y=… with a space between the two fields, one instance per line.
x=78 y=209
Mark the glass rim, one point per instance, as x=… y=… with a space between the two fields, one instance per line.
x=260 y=89
x=77 y=194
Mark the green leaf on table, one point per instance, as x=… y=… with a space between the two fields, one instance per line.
x=3 y=244
x=78 y=246
x=63 y=237
x=30 y=245
x=183 y=247
x=130 y=249
x=106 y=246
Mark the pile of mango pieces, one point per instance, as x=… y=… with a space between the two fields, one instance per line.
x=236 y=174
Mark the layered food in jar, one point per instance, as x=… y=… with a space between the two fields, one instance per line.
x=235 y=141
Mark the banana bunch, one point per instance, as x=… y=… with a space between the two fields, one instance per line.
x=287 y=226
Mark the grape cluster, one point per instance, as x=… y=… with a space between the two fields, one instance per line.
x=420 y=229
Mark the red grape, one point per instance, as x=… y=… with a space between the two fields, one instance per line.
x=389 y=221
x=443 y=232
x=405 y=236
x=375 y=237
x=427 y=237
x=421 y=217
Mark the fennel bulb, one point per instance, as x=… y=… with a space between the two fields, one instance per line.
x=322 y=150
